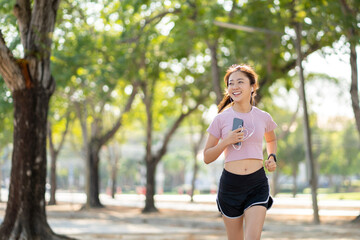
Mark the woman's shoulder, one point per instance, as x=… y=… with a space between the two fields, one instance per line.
x=225 y=113
x=222 y=116
x=261 y=112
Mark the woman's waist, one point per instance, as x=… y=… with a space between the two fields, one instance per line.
x=244 y=166
x=241 y=183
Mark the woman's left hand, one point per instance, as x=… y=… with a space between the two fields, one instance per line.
x=270 y=164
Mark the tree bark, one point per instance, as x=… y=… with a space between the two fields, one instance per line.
x=32 y=85
x=53 y=156
x=150 y=186
x=25 y=216
x=94 y=180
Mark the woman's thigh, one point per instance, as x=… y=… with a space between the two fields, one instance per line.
x=234 y=228
x=254 y=222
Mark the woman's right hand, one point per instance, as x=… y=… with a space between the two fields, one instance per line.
x=235 y=136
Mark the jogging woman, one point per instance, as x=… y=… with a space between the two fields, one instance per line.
x=238 y=130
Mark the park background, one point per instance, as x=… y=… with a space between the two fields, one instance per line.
x=137 y=83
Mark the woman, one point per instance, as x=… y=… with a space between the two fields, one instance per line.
x=243 y=194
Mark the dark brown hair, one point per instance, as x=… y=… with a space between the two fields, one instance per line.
x=250 y=73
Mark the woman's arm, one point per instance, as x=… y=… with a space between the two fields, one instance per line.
x=271 y=147
x=214 y=148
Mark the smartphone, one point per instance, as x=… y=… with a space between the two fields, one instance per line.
x=237 y=123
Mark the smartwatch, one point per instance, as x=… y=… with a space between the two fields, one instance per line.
x=272 y=154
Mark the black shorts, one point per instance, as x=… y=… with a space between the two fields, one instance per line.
x=239 y=192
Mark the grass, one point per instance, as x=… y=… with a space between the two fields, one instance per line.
x=341 y=196
x=326 y=196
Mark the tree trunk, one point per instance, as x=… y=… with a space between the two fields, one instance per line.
x=54 y=155
x=274 y=185
x=294 y=173
x=193 y=180
x=93 y=200
x=307 y=132
x=53 y=183
x=25 y=216
x=215 y=71
x=113 y=182
x=31 y=84
x=150 y=187
x=354 y=90
x=195 y=148
x=114 y=169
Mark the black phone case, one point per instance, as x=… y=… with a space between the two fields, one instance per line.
x=237 y=123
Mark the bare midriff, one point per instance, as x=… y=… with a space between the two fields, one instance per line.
x=244 y=166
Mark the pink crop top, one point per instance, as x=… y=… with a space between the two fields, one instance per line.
x=256 y=123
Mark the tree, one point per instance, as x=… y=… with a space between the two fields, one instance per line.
x=307 y=132
x=99 y=79
x=153 y=157
x=350 y=10
x=30 y=81
x=54 y=153
x=197 y=134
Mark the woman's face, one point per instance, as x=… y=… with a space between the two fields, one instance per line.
x=239 y=87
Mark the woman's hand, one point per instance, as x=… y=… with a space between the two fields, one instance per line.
x=235 y=136
x=270 y=164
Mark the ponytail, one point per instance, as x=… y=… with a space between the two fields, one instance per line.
x=224 y=102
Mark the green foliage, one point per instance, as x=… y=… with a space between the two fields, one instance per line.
x=338 y=151
x=101 y=48
x=6 y=115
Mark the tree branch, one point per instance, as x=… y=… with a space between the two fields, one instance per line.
x=172 y=130
x=346 y=8
x=64 y=132
x=147 y=22
x=9 y=69
x=22 y=11
x=108 y=135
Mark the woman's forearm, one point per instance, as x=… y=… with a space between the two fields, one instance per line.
x=271 y=147
x=213 y=153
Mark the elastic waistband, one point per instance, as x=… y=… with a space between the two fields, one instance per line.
x=254 y=177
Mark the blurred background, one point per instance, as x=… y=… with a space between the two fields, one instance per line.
x=137 y=84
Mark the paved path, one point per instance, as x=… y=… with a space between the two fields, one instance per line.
x=180 y=220
x=282 y=206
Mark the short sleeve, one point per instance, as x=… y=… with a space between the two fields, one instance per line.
x=214 y=128
x=270 y=124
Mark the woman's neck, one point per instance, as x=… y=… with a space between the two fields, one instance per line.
x=243 y=108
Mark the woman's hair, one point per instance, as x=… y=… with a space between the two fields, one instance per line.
x=250 y=73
